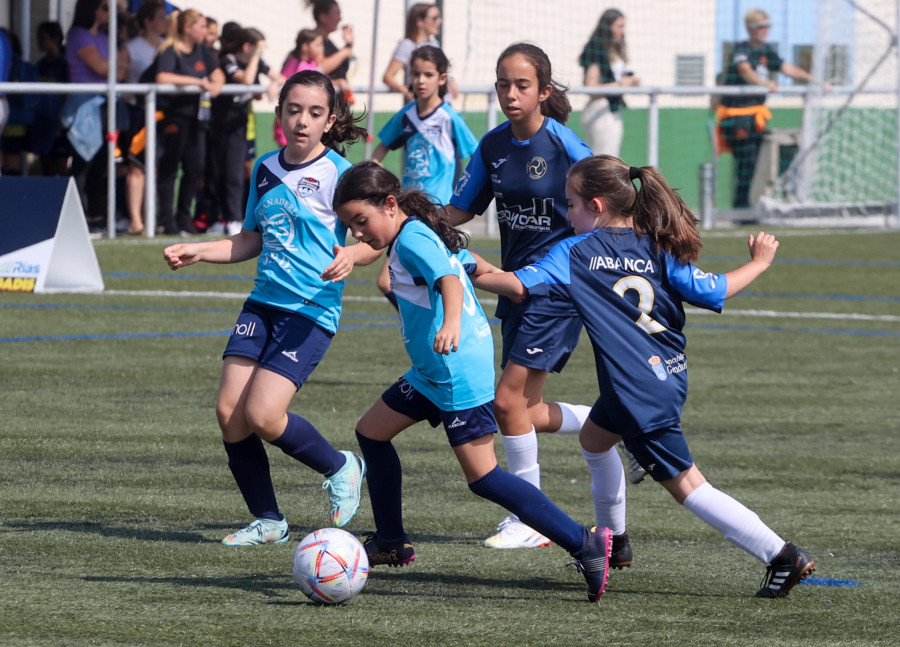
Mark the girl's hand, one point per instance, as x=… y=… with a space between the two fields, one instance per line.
x=446 y=340
x=181 y=255
x=762 y=248
x=340 y=267
x=347 y=33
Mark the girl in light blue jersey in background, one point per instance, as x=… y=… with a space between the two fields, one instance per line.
x=433 y=135
x=290 y=317
x=627 y=275
x=448 y=339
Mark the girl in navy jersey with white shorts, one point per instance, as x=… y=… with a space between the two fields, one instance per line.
x=521 y=165
x=290 y=317
x=627 y=275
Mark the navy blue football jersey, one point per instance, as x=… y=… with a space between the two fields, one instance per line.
x=528 y=181
x=629 y=295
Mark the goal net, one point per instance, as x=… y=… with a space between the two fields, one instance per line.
x=845 y=170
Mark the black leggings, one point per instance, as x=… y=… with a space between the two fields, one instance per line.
x=183 y=142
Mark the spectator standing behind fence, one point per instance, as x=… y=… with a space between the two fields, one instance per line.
x=47 y=139
x=22 y=109
x=336 y=64
x=151 y=24
x=308 y=54
x=742 y=119
x=242 y=65
x=184 y=60
x=85 y=115
x=423 y=24
x=605 y=61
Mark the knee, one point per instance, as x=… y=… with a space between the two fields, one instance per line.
x=265 y=423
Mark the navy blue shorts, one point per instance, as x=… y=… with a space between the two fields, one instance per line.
x=283 y=342
x=461 y=426
x=663 y=453
x=539 y=340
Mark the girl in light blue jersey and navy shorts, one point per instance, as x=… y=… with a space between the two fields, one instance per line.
x=451 y=381
x=290 y=317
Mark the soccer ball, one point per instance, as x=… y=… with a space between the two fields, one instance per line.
x=330 y=566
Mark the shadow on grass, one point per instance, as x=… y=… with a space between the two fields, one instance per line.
x=266 y=585
x=119 y=532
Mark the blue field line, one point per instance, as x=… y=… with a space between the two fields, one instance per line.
x=198 y=277
x=805 y=261
x=394 y=324
x=819 y=581
x=827 y=331
x=235 y=310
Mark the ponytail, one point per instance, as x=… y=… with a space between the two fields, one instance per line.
x=557 y=105
x=178 y=20
x=642 y=194
x=371 y=183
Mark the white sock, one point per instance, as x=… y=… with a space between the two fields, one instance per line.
x=522 y=457
x=740 y=525
x=607 y=488
x=573 y=417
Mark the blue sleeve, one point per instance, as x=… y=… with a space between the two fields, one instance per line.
x=391 y=135
x=551 y=271
x=695 y=286
x=424 y=255
x=474 y=190
x=468 y=261
x=465 y=141
x=574 y=147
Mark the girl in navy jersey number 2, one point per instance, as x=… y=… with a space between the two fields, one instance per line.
x=290 y=317
x=522 y=165
x=627 y=275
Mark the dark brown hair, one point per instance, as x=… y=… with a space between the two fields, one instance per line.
x=434 y=55
x=372 y=183
x=557 y=105
x=655 y=208
x=345 y=129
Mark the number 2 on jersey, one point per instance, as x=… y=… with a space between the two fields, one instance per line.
x=646 y=297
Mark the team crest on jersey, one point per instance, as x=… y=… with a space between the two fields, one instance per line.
x=536 y=168
x=307 y=186
x=658 y=369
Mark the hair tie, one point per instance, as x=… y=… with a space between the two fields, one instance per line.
x=634 y=173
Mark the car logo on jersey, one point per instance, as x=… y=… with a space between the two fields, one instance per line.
x=536 y=168
x=658 y=368
x=307 y=186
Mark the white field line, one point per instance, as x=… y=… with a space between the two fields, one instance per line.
x=767 y=314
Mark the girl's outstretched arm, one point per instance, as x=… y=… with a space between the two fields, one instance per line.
x=446 y=340
x=762 y=253
x=237 y=248
x=506 y=284
x=346 y=258
x=482 y=266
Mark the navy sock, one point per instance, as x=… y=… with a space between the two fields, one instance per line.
x=249 y=465
x=384 y=478
x=390 y=296
x=531 y=506
x=302 y=441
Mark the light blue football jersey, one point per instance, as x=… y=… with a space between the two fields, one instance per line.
x=463 y=379
x=432 y=144
x=291 y=206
